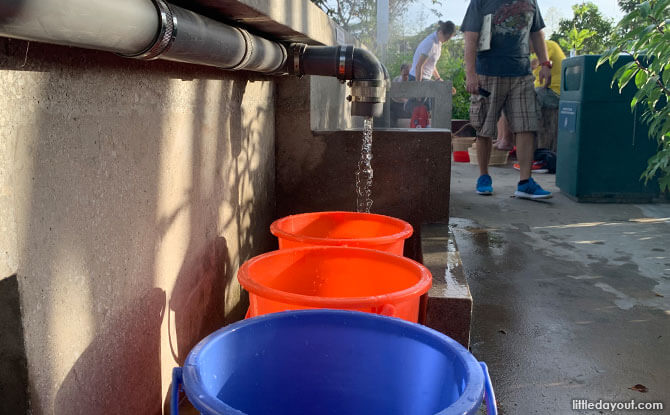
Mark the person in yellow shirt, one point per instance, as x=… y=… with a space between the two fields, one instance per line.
x=549 y=94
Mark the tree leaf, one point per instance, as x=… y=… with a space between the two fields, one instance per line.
x=659 y=9
x=640 y=79
x=633 y=103
x=626 y=76
x=645 y=9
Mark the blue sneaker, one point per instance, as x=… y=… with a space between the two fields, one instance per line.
x=485 y=185
x=531 y=190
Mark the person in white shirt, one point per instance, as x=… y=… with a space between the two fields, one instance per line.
x=428 y=52
x=425 y=61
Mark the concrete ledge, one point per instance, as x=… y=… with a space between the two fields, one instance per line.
x=286 y=20
x=449 y=308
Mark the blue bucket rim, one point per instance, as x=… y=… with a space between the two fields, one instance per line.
x=469 y=401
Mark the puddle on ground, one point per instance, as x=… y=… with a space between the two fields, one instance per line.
x=622 y=301
x=486 y=237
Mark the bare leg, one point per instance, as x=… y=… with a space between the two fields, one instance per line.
x=525 y=143
x=504 y=134
x=483 y=154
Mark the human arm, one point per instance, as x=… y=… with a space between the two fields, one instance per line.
x=418 y=70
x=471 y=81
x=436 y=75
x=540 y=48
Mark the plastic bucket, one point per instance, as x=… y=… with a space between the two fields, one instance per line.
x=362 y=230
x=331 y=362
x=334 y=277
x=461 y=156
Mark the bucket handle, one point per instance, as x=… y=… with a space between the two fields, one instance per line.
x=489 y=395
x=388 y=310
x=177 y=381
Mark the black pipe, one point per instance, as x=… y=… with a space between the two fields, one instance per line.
x=367 y=67
x=367 y=75
x=201 y=40
x=198 y=37
x=368 y=85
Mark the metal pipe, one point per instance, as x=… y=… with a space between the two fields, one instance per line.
x=142 y=29
x=121 y=26
x=368 y=77
x=155 y=29
x=188 y=37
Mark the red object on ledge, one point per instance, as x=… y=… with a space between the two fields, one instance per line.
x=461 y=156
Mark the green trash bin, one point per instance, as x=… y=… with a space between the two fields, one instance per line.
x=602 y=147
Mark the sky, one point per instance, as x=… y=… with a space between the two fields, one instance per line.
x=420 y=15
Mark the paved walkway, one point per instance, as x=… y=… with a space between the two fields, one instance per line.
x=571 y=300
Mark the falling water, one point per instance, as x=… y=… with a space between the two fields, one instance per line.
x=364 y=172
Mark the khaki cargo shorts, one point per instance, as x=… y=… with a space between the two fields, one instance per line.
x=515 y=95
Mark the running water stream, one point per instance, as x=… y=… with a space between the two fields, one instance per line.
x=364 y=172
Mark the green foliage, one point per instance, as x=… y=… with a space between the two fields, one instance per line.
x=576 y=39
x=401 y=49
x=589 y=26
x=450 y=66
x=628 y=6
x=359 y=17
x=649 y=44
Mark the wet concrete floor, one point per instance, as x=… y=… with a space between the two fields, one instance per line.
x=571 y=300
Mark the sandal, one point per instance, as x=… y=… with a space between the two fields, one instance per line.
x=503 y=148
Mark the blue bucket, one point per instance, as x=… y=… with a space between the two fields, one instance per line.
x=331 y=362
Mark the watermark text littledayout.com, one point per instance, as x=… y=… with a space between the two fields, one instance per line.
x=632 y=405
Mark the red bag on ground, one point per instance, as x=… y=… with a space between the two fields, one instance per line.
x=420 y=117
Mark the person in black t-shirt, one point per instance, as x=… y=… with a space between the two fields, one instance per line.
x=498 y=76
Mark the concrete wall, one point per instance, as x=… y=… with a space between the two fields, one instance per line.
x=315 y=169
x=328 y=105
x=130 y=192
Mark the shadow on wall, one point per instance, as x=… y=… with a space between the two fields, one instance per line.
x=13 y=370
x=94 y=227
x=329 y=108
x=10 y=8
x=199 y=296
x=129 y=341
x=91 y=313
x=199 y=292
x=199 y=299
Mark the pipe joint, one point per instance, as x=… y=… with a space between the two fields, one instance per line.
x=294 y=62
x=345 y=63
x=261 y=55
x=167 y=32
x=368 y=91
x=248 y=52
x=368 y=77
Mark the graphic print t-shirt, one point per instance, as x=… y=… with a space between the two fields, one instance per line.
x=511 y=24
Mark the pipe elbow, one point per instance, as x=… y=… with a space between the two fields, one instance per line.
x=366 y=67
x=368 y=77
x=368 y=84
x=346 y=63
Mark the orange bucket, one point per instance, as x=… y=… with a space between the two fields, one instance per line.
x=334 y=277
x=363 y=230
